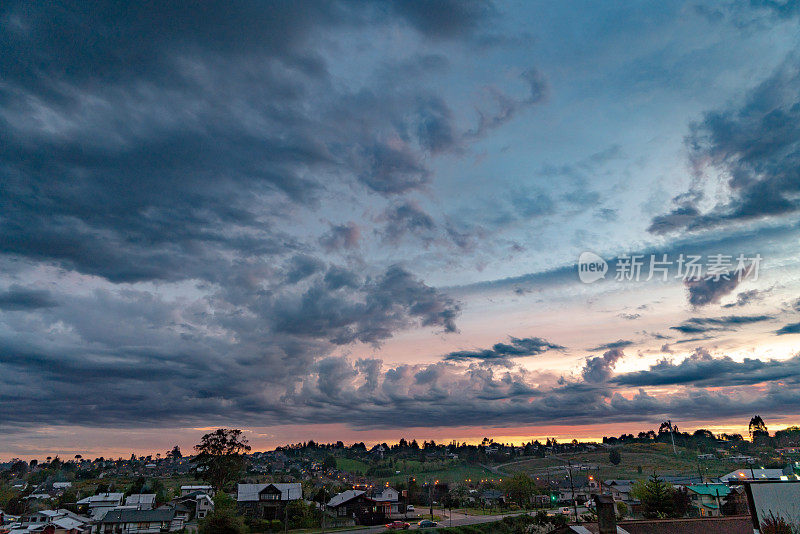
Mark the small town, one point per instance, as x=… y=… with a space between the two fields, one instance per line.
x=664 y=481
x=365 y=266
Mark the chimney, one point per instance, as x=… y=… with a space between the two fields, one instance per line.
x=606 y=514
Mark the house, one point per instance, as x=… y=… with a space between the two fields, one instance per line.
x=61 y=485
x=706 y=456
x=141 y=501
x=208 y=490
x=388 y=499
x=619 y=489
x=746 y=473
x=707 y=498
x=267 y=501
x=182 y=515
x=101 y=503
x=354 y=507
x=59 y=521
x=129 y=521
x=784 y=450
x=493 y=497
x=198 y=503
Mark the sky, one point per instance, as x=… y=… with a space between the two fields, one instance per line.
x=357 y=221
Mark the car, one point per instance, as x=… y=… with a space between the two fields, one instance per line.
x=565 y=510
x=427 y=523
x=397 y=525
x=410 y=508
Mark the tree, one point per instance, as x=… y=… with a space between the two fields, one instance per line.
x=656 y=497
x=519 y=488
x=757 y=428
x=329 y=462
x=614 y=456
x=219 y=457
x=175 y=452
x=223 y=519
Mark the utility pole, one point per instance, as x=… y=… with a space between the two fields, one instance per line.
x=430 y=498
x=572 y=489
x=324 y=503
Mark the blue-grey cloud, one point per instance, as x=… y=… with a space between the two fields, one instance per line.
x=19 y=298
x=518 y=347
x=697 y=325
x=755 y=144
x=619 y=344
x=792 y=328
x=702 y=369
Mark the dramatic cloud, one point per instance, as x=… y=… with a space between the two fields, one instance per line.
x=702 y=369
x=793 y=328
x=754 y=146
x=705 y=291
x=697 y=325
x=529 y=346
x=17 y=298
x=619 y=344
x=600 y=368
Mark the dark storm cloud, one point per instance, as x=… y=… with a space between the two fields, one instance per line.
x=599 y=369
x=370 y=313
x=793 y=328
x=162 y=141
x=756 y=147
x=697 y=325
x=746 y=297
x=619 y=344
x=529 y=346
x=701 y=369
x=705 y=291
x=19 y=298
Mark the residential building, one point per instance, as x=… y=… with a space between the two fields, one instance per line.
x=387 y=499
x=267 y=501
x=354 y=507
x=130 y=521
x=620 y=489
x=98 y=505
x=746 y=473
x=707 y=498
x=141 y=501
x=208 y=490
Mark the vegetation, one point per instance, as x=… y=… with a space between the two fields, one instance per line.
x=614 y=457
x=219 y=457
x=224 y=519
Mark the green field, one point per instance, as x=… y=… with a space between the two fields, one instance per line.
x=456 y=473
x=351 y=466
x=652 y=457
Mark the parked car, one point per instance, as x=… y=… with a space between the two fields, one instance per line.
x=427 y=523
x=565 y=510
x=397 y=525
x=410 y=508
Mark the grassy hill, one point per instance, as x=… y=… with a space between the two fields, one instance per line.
x=651 y=457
